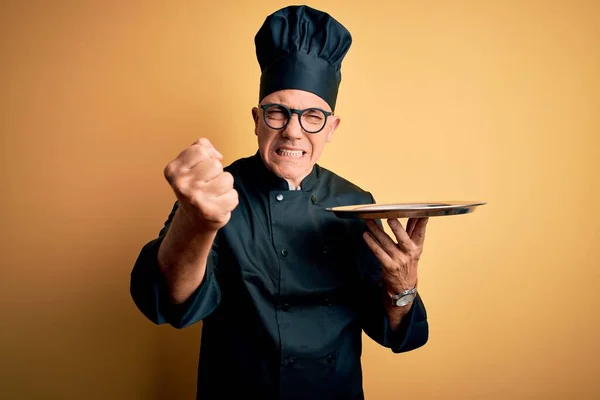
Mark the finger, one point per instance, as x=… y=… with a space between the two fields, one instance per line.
x=206 y=143
x=216 y=154
x=402 y=237
x=229 y=200
x=377 y=250
x=410 y=225
x=384 y=240
x=202 y=142
x=418 y=236
x=219 y=185
x=193 y=155
x=206 y=170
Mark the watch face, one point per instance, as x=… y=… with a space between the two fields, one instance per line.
x=404 y=300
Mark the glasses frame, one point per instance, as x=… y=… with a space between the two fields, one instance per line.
x=291 y=112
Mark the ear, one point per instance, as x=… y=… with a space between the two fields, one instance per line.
x=255 y=118
x=335 y=122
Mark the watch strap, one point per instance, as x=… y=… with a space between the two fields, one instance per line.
x=404 y=293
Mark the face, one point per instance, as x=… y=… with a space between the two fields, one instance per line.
x=291 y=153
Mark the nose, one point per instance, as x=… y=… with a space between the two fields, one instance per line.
x=293 y=130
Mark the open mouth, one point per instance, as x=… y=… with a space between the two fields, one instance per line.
x=290 y=153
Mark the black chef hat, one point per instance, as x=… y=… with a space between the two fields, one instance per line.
x=299 y=47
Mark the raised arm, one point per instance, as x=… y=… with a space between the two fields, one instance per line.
x=206 y=198
x=168 y=276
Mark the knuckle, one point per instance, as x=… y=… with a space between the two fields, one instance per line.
x=197 y=184
x=224 y=218
x=194 y=201
x=396 y=267
x=232 y=200
x=182 y=188
x=216 y=163
x=204 y=141
x=410 y=246
x=401 y=261
x=195 y=147
x=228 y=179
x=415 y=253
x=211 y=213
x=170 y=172
x=203 y=151
x=200 y=142
x=198 y=201
x=202 y=154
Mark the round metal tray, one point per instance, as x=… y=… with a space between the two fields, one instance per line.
x=406 y=210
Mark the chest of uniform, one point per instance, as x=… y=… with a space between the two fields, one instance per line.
x=291 y=240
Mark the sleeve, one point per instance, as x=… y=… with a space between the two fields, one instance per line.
x=414 y=328
x=413 y=331
x=149 y=293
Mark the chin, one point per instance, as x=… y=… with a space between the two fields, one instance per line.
x=290 y=171
x=287 y=171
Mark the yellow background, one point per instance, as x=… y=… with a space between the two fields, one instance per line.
x=470 y=100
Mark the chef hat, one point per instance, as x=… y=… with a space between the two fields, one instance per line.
x=299 y=47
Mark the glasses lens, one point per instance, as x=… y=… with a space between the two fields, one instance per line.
x=313 y=120
x=276 y=117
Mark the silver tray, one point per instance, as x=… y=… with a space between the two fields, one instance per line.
x=406 y=210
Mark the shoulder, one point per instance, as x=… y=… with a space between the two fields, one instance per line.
x=236 y=166
x=345 y=191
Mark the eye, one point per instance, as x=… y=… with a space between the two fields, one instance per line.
x=314 y=116
x=276 y=113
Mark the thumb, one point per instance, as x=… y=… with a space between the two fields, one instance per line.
x=211 y=148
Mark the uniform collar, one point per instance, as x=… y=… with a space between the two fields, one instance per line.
x=267 y=179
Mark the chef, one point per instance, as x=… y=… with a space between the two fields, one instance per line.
x=284 y=288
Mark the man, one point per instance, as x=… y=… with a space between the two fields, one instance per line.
x=283 y=287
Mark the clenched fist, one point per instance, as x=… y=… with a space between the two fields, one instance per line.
x=204 y=191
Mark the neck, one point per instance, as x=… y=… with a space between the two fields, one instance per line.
x=293 y=184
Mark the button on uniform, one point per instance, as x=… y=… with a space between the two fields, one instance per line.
x=289 y=361
x=284 y=252
x=279 y=197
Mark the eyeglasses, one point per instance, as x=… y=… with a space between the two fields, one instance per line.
x=278 y=116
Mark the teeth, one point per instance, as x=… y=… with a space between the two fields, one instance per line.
x=290 y=153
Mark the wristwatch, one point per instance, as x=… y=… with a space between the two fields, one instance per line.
x=404 y=298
